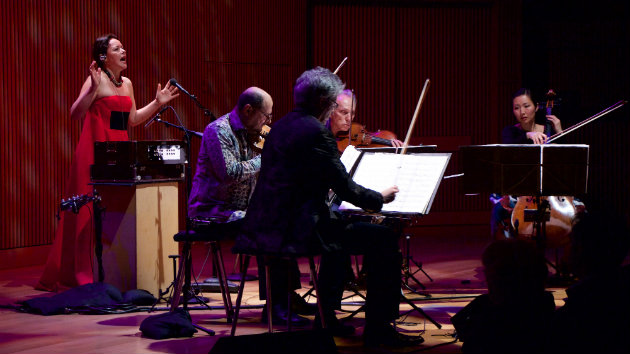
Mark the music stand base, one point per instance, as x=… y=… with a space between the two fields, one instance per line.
x=414 y=307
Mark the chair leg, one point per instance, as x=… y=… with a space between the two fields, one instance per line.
x=289 y=293
x=225 y=290
x=268 y=293
x=181 y=275
x=241 y=287
x=311 y=264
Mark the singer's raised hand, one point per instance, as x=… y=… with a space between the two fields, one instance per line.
x=95 y=75
x=169 y=92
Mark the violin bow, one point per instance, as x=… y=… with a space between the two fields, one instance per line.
x=332 y=197
x=586 y=121
x=415 y=116
x=411 y=125
x=340 y=65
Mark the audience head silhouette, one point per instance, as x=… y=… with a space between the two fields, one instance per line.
x=515 y=270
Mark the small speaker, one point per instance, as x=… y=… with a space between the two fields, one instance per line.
x=303 y=342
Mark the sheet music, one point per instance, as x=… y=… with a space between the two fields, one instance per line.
x=417 y=177
x=349 y=157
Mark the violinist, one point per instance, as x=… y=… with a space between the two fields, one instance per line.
x=342 y=117
x=340 y=123
x=227 y=169
x=227 y=166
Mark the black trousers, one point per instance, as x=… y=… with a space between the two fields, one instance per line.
x=382 y=261
x=285 y=277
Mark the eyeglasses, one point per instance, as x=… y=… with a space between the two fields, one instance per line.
x=333 y=104
x=268 y=115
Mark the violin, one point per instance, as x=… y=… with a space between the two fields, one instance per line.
x=359 y=136
x=257 y=141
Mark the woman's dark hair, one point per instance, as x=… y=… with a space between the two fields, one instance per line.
x=523 y=91
x=100 y=48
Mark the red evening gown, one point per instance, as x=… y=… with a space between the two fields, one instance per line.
x=70 y=260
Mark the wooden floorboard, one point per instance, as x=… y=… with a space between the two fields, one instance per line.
x=452 y=262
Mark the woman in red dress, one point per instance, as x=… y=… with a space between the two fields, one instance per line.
x=106 y=107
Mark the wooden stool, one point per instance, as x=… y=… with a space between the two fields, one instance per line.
x=244 y=268
x=211 y=234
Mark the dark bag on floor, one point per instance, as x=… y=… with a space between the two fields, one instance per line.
x=168 y=325
x=88 y=295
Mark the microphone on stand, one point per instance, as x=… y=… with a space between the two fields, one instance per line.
x=174 y=83
x=156 y=116
x=206 y=111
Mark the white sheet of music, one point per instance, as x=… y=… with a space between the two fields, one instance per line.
x=417 y=177
x=349 y=157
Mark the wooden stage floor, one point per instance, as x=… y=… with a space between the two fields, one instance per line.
x=453 y=262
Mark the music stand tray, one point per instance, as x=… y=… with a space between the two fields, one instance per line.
x=397 y=150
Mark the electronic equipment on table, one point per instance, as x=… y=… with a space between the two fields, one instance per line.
x=138 y=161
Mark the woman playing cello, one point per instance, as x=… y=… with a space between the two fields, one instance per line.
x=527 y=131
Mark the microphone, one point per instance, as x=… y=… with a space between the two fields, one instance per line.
x=174 y=83
x=156 y=116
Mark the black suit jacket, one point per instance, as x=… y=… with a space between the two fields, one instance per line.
x=288 y=213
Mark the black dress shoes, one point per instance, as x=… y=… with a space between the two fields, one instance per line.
x=335 y=327
x=301 y=307
x=387 y=336
x=279 y=317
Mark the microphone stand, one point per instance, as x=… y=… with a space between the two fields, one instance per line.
x=186 y=263
x=206 y=111
x=187 y=132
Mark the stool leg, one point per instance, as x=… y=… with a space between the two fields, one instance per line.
x=289 y=292
x=225 y=291
x=268 y=292
x=183 y=273
x=311 y=264
x=241 y=287
x=187 y=288
x=225 y=280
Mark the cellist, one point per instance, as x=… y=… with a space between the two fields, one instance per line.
x=526 y=131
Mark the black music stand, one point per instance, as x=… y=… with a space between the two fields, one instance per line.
x=535 y=170
x=408 y=260
x=418 y=175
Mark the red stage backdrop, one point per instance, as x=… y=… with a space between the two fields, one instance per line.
x=471 y=50
x=215 y=49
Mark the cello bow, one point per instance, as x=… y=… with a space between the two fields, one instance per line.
x=586 y=121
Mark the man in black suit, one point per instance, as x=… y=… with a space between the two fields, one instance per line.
x=288 y=214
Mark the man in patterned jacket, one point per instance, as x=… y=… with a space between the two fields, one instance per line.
x=227 y=169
